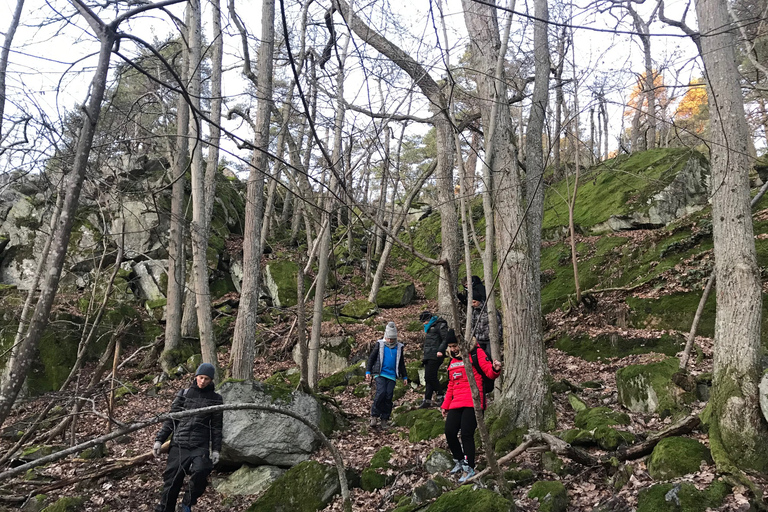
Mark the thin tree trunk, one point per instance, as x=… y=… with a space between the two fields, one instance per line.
x=9 y=34
x=243 y=349
x=577 y=171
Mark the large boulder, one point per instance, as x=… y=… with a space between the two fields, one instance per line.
x=551 y=495
x=280 y=278
x=151 y=279
x=143 y=230
x=260 y=437
x=333 y=355
x=247 y=480
x=653 y=388
x=359 y=309
x=677 y=456
x=682 y=496
x=397 y=296
x=307 y=487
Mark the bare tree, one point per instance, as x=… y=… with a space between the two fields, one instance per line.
x=4 y=53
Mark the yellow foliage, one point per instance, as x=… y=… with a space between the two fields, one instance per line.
x=693 y=101
x=637 y=98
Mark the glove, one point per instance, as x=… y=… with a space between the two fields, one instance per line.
x=156 y=449
x=215 y=456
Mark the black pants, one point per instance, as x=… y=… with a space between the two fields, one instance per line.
x=431 y=366
x=461 y=419
x=382 y=401
x=181 y=462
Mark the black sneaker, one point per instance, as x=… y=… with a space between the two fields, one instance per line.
x=425 y=404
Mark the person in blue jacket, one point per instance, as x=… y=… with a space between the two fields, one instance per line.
x=387 y=364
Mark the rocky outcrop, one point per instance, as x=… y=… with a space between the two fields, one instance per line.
x=307 y=487
x=258 y=437
x=280 y=279
x=247 y=480
x=397 y=296
x=653 y=388
x=333 y=355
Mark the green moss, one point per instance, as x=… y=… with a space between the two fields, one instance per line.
x=284 y=275
x=306 y=487
x=332 y=381
x=157 y=303
x=577 y=404
x=610 y=439
x=650 y=388
x=519 y=477
x=414 y=326
x=381 y=458
x=423 y=424
x=68 y=504
x=577 y=437
x=222 y=286
x=551 y=495
x=396 y=296
x=358 y=309
x=590 y=419
x=284 y=379
x=552 y=463
x=467 y=498
x=126 y=389
x=362 y=390
x=609 y=346
x=681 y=497
x=372 y=480
x=677 y=456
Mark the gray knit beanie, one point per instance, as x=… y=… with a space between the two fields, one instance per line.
x=206 y=369
x=390 y=332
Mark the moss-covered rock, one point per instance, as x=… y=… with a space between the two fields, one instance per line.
x=681 y=497
x=423 y=424
x=438 y=461
x=359 y=309
x=36 y=452
x=306 y=487
x=247 y=480
x=651 y=388
x=467 y=498
x=280 y=279
x=397 y=296
x=519 y=477
x=551 y=495
x=677 y=456
x=610 y=439
x=552 y=463
x=601 y=347
x=577 y=403
x=590 y=419
x=361 y=390
x=577 y=437
x=68 y=504
x=95 y=452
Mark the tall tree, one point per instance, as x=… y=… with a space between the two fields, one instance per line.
x=738 y=432
x=4 y=53
x=243 y=347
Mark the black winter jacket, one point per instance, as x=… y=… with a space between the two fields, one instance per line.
x=198 y=431
x=436 y=340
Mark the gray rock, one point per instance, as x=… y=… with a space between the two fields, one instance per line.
x=428 y=491
x=438 y=461
x=260 y=437
x=141 y=224
x=148 y=277
x=248 y=480
x=764 y=395
x=332 y=356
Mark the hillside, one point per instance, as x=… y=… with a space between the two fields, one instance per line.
x=645 y=251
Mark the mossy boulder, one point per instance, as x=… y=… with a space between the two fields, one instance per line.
x=95 y=452
x=590 y=419
x=333 y=355
x=552 y=463
x=596 y=348
x=651 y=388
x=518 y=477
x=248 y=480
x=280 y=278
x=423 y=424
x=677 y=456
x=681 y=497
x=397 y=296
x=467 y=497
x=577 y=437
x=551 y=495
x=609 y=438
x=351 y=374
x=306 y=487
x=577 y=404
x=68 y=504
x=358 y=309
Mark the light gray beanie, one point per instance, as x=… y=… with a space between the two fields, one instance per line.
x=390 y=332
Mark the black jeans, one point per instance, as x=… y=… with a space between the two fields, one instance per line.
x=181 y=462
x=462 y=419
x=382 y=401
x=431 y=366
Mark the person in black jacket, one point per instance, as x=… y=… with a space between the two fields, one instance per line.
x=193 y=437
x=435 y=344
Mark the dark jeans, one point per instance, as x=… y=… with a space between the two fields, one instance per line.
x=462 y=419
x=181 y=462
x=431 y=366
x=382 y=401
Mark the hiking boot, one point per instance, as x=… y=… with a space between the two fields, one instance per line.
x=425 y=404
x=469 y=472
x=457 y=466
x=384 y=425
x=185 y=508
x=375 y=422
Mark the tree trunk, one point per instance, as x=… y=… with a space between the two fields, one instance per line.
x=525 y=395
x=176 y=261
x=737 y=430
x=243 y=348
x=9 y=34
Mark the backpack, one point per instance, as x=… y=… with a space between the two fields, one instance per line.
x=487 y=381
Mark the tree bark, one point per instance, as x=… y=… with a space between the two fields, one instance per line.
x=737 y=428
x=243 y=348
x=6 y=50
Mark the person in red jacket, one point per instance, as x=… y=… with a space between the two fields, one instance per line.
x=458 y=408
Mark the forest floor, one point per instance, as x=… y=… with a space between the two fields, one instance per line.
x=137 y=488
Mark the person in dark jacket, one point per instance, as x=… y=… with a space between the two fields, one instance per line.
x=387 y=364
x=477 y=286
x=194 y=437
x=458 y=407
x=435 y=344
x=481 y=328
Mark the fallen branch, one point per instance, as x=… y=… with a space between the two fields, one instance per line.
x=503 y=460
x=636 y=451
